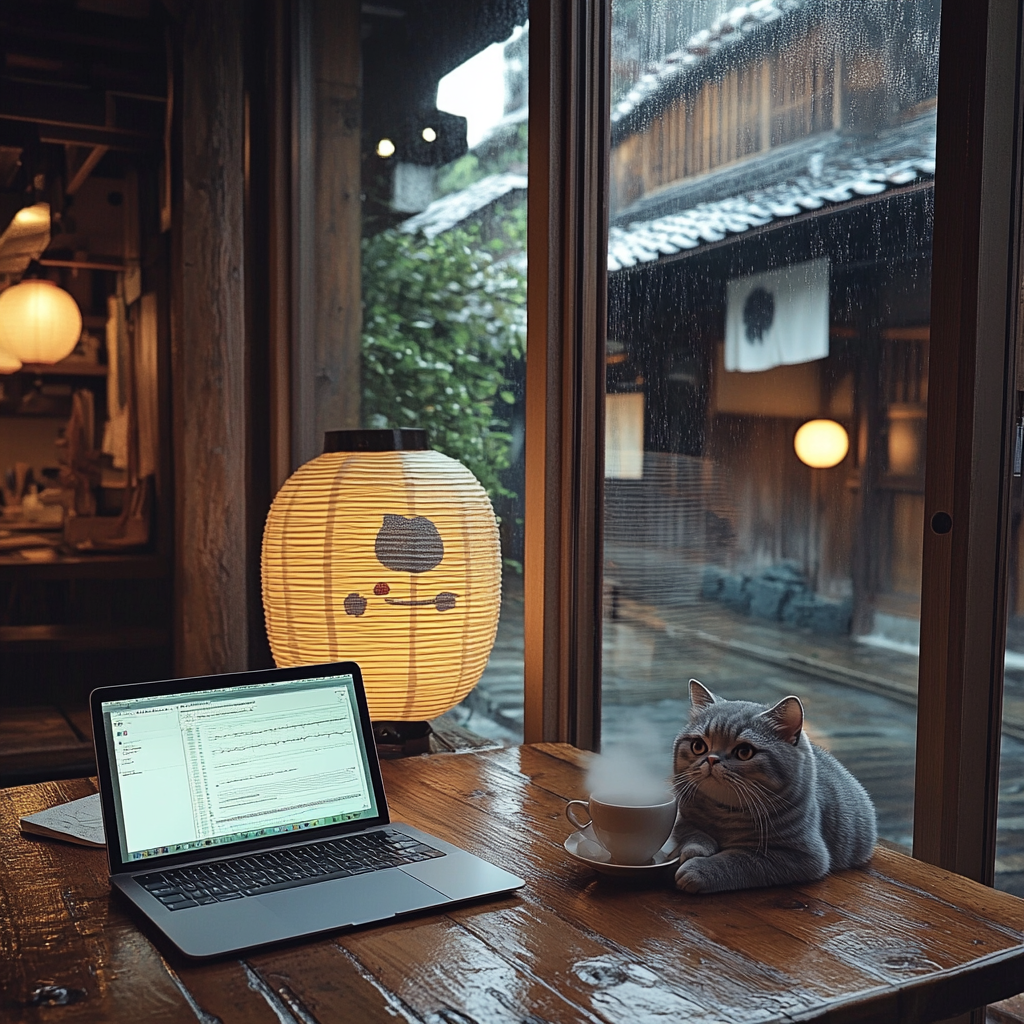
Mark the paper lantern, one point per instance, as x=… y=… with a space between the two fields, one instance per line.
x=821 y=444
x=384 y=552
x=39 y=322
x=9 y=363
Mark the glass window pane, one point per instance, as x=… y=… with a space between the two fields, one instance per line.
x=1010 y=825
x=444 y=270
x=767 y=371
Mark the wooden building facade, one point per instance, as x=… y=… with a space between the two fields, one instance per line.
x=766 y=144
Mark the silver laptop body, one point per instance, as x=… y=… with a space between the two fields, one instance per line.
x=269 y=778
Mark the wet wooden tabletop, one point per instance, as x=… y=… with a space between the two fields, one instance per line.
x=898 y=941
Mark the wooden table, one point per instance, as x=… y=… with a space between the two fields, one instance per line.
x=898 y=941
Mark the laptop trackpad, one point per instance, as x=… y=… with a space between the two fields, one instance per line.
x=344 y=901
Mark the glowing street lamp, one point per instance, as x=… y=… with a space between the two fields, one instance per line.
x=821 y=444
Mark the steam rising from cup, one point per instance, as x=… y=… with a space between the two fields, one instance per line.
x=618 y=777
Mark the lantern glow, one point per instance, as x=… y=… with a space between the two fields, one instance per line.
x=33 y=216
x=39 y=322
x=389 y=559
x=385 y=148
x=821 y=444
x=9 y=363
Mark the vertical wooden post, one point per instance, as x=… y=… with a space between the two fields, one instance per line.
x=338 y=80
x=210 y=410
x=326 y=176
x=971 y=394
x=568 y=243
x=279 y=239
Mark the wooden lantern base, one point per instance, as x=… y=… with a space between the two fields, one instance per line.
x=401 y=739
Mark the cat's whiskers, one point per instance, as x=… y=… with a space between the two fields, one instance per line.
x=685 y=786
x=757 y=805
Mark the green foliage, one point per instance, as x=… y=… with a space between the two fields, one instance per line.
x=506 y=151
x=460 y=174
x=442 y=317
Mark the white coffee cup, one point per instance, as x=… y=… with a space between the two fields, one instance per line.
x=632 y=830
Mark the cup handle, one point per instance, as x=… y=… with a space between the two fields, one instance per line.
x=570 y=809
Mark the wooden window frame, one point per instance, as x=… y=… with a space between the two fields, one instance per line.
x=973 y=394
x=566 y=320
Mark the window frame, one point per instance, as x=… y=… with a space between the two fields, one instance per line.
x=974 y=392
x=971 y=406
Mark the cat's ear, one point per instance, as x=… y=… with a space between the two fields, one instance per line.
x=700 y=696
x=786 y=718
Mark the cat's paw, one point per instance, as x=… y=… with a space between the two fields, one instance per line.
x=693 y=875
x=695 y=849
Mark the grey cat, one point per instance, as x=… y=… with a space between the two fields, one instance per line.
x=759 y=804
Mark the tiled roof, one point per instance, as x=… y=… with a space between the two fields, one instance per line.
x=812 y=174
x=730 y=29
x=816 y=172
x=449 y=210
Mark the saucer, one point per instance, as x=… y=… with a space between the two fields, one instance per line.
x=584 y=847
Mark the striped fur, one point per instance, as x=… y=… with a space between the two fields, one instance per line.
x=759 y=804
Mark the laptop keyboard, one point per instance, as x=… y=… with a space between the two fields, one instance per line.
x=259 y=873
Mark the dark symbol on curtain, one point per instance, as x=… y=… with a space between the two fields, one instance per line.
x=408 y=545
x=758 y=314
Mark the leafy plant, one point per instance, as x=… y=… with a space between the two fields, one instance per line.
x=442 y=318
x=506 y=151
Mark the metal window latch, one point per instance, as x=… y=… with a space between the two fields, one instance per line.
x=1018 y=446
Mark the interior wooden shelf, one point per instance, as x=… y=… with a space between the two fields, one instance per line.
x=86 y=567
x=81 y=637
x=66 y=367
x=100 y=263
x=46 y=742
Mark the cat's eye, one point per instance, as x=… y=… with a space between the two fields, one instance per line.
x=744 y=751
x=698 y=746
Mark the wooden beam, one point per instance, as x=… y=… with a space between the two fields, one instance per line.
x=87 y=264
x=86 y=135
x=78 y=171
x=567 y=315
x=279 y=340
x=64 y=106
x=209 y=348
x=326 y=371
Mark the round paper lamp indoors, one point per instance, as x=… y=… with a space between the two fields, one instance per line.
x=384 y=552
x=821 y=444
x=39 y=322
x=9 y=363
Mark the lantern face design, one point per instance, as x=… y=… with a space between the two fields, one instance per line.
x=39 y=322
x=389 y=559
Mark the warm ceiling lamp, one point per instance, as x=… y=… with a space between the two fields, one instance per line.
x=385 y=148
x=9 y=363
x=39 y=322
x=36 y=216
x=429 y=135
x=384 y=552
x=821 y=444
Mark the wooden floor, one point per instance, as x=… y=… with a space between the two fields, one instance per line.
x=860 y=701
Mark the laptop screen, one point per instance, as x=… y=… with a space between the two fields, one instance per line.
x=213 y=767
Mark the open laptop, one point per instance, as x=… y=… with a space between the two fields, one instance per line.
x=247 y=809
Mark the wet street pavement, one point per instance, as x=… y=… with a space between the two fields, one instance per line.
x=871 y=726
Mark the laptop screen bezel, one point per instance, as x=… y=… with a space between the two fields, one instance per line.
x=195 y=684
